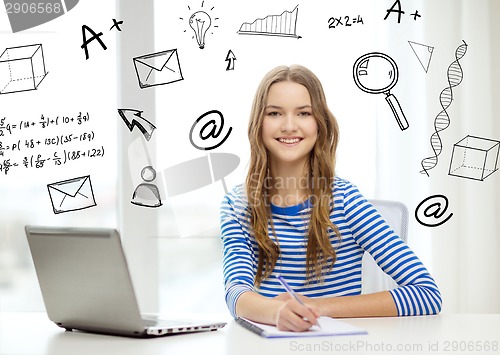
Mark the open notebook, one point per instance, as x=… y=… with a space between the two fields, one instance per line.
x=329 y=327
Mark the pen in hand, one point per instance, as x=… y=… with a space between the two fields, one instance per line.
x=292 y=293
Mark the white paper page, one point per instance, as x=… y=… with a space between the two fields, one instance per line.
x=329 y=327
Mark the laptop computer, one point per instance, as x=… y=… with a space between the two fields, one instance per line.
x=86 y=285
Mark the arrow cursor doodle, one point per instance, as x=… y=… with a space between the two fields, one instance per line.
x=133 y=118
x=230 y=58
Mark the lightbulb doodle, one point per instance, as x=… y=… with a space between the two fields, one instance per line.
x=442 y=120
x=283 y=25
x=200 y=22
x=377 y=73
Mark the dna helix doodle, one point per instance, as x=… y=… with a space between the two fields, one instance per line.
x=442 y=120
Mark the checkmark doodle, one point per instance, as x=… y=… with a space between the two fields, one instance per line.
x=26 y=14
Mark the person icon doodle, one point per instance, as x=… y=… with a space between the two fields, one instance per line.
x=147 y=194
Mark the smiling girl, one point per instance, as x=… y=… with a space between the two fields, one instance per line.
x=294 y=217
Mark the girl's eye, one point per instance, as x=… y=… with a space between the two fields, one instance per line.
x=273 y=113
x=305 y=113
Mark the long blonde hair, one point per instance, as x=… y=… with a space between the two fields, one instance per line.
x=320 y=252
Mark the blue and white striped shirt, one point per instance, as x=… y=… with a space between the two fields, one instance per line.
x=362 y=229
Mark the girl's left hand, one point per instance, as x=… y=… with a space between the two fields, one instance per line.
x=286 y=296
x=315 y=302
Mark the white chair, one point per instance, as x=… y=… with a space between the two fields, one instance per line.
x=396 y=215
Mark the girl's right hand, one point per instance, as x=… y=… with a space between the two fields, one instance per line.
x=296 y=317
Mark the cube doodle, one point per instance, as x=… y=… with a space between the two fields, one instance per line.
x=474 y=158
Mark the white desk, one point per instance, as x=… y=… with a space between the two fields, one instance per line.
x=33 y=333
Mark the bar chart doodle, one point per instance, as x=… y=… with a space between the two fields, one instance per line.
x=283 y=25
x=442 y=120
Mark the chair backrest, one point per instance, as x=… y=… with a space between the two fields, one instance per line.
x=396 y=215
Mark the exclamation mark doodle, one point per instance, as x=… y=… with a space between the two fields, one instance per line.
x=442 y=120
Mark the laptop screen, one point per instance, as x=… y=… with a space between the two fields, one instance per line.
x=84 y=278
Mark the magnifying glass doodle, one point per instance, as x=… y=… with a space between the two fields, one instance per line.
x=377 y=73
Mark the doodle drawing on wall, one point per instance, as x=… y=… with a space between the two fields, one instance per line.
x=442 y=120
x=284 y=25
x=423 y=54
x=133 y=118
x=146 y=194
x=21 y=68
x=474 y=158
x=200 y=22
x=230 y=58
x=71 y=195
x=158 y=68
x=377 y=73
x=214 y=124
x=431 y=210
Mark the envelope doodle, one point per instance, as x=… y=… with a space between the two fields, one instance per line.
x=158 y=68
x=71 y=195
x=21 y=68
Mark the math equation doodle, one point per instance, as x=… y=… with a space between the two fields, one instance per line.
x=39 y=143
x=347 y=21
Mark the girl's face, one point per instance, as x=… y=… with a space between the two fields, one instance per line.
x=289 y=129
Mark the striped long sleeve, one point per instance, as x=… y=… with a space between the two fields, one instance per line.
x=362 y=230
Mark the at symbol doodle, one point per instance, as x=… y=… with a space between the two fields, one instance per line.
x=432 y=209
x=214 y=130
